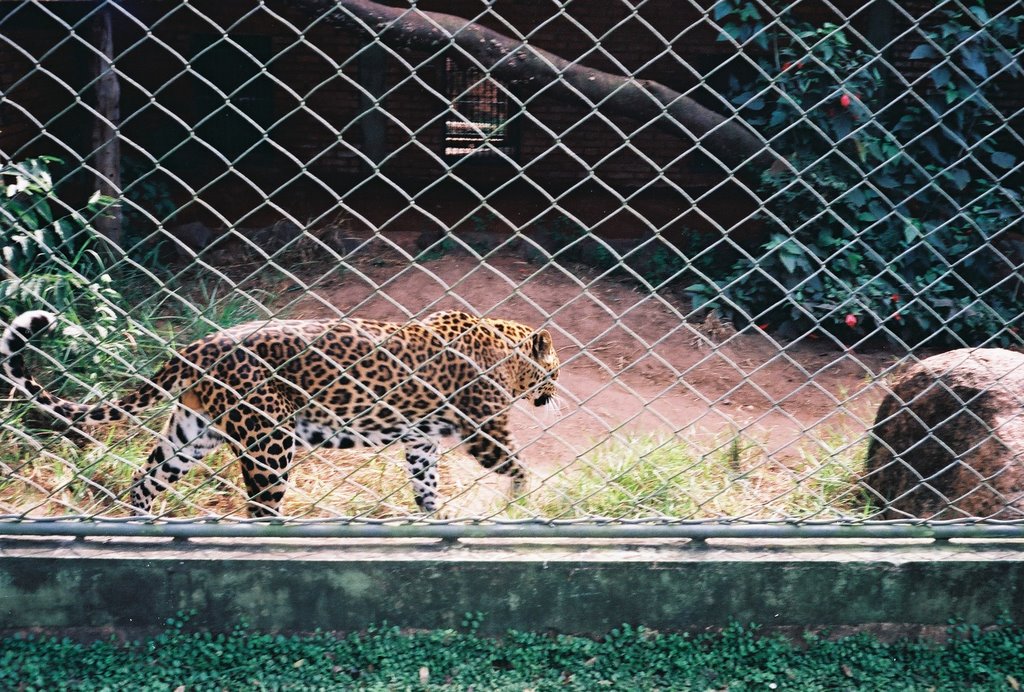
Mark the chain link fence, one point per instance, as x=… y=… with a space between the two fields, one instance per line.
x=749 y=228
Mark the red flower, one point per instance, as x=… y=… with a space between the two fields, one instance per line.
x=895 y=297
x=844 y=100
x=786 y=65
x=851 y=320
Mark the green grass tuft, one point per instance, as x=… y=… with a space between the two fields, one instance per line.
x=660 y=476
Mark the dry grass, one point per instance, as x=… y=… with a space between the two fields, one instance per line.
x=638 y=476
x=43 y=474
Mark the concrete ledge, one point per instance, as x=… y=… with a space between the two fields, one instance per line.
x=568 y=587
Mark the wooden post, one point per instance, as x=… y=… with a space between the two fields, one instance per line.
x=105 y=141
x=371 y=77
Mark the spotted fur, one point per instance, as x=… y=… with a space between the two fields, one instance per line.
x=264 y=388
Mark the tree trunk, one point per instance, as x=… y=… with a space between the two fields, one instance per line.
x=526 y=69
x=372 y=122
x=106 y=145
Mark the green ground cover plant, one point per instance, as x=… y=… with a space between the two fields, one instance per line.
x=53 y=257
x=385 y=658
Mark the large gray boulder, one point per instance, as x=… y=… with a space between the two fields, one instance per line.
x=948 y=441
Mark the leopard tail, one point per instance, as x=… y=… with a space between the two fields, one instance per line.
x=12 y=366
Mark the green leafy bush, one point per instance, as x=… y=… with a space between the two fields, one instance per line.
x=44 y=241
x=898 y=222
x=50 y=261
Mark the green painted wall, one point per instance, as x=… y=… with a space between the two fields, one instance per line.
x=581 y=591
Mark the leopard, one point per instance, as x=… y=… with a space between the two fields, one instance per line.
x=270 y=388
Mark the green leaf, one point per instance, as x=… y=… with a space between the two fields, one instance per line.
x=979 y=12
x=790 y=255
x=1003 y=159
x=779 y=116
x=974 y=61
x=44 y=211
x=923 y=51
x=941 y=75
x=842 y=125
x=749 y=12
x=733 y=31
x=931 y=146
x=64 y=229
x=722 y=9
x=959 y=177
x=28 y=219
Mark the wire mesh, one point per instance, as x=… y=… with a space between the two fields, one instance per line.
x=776 y=245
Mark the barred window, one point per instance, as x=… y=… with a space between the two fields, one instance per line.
x=480 y=122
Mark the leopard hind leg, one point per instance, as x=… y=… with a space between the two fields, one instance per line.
x=421 y=454
x=265 y=451
x=186 y=439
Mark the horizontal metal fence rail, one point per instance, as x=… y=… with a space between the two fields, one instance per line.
x=696 y=531
x=774 y=248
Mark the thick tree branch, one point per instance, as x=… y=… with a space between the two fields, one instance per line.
x=526 y=69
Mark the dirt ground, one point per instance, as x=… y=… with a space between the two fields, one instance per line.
x=632 y=363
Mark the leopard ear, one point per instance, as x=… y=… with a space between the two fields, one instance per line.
x=541 y=343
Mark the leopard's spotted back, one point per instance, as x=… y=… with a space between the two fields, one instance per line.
x=265 y=387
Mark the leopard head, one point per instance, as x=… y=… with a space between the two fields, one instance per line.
x=540 y=371
x=526 y=357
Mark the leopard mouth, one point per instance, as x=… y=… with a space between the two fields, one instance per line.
x=542 y=399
